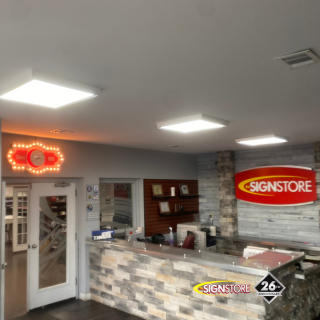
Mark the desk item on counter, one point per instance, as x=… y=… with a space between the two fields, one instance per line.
x=173 y=191
x=103 y=235
x=210 y=220
x=307 y=265
x=213 y=231
x=132 y=234
x=158 y=238
x=171 y=238
x=314 y=258
x=251 y=251
x=206 y=230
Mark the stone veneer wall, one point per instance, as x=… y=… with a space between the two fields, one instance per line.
x=154 y=288
x=228 y=201
x=297 y=223
x=208 y=183
x=287 y=223
x=317 y=168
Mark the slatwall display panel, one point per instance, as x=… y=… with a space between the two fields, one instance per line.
x=154 y=223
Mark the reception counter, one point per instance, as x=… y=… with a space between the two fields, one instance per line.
x=156 y=282
x=235 y=245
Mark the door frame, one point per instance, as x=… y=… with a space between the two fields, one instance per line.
x=15 y=245
x=28 y=182
x=2 y=248
x=137 y=200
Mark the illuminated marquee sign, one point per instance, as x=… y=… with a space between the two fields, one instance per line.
x=278 y=186
x=36 y=158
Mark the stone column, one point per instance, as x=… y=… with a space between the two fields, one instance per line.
x=317 y=169
x=228 y=202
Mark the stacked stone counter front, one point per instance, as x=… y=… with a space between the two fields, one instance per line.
x=153 y=288
x=156 y=288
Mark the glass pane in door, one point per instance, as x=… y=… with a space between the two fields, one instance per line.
x=52 y=241
x=22 y=209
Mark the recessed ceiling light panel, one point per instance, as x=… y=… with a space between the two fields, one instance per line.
x=262 y=140
x=193 y=123
x=41 y=89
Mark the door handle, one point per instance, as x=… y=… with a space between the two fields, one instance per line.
x=34 y=246
x=4 y=266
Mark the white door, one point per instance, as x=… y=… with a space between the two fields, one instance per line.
x=20 y=217
x=52 y=252
x=2 y=247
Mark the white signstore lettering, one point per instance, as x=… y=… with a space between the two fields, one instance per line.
x=281 y=186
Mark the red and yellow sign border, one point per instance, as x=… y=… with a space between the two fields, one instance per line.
x=278 y=179
x=18 y=157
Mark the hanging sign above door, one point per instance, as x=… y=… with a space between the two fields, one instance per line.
x=277 y=186
x=36 y=158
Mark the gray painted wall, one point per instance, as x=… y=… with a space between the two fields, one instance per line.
x=299 y=223
x=89 y=162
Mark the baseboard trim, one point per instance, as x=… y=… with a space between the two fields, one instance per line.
x=85 y=296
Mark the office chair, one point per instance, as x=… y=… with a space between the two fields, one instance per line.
x=189 y=242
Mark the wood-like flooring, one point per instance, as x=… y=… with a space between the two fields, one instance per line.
x=77 y=310
x=15 y=290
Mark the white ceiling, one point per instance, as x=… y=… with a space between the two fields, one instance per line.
x=162 y=59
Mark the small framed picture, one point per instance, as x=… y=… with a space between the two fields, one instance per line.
x=157 y=190
x=164 y=207
x=184 y=189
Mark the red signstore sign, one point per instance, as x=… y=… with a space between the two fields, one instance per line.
x=277 y=186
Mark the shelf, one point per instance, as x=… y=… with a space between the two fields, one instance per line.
x=190 y=196
x=162 y=197
x=176 y=214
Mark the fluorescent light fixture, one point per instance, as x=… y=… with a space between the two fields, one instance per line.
x=193 y=123
x=38 y=88
x=262 y=140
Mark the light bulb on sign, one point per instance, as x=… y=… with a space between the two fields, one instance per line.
x=37 y=159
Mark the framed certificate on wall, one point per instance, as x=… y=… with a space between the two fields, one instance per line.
x=164 y=207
